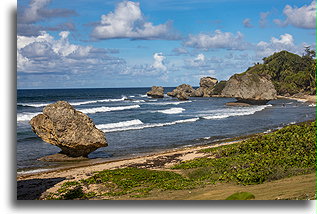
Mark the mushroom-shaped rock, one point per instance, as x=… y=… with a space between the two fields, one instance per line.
x=71 y=130
x=251 y=88
x=156 y=92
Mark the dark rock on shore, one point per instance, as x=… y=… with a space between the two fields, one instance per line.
x=71 y=130
x=251 y=88
x=156 y=92
x=238 y=104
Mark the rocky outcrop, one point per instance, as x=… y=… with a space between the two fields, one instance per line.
x=71 y=130
x=217 y=89
x=251 y=88
x=208 y=82
x=207 y=85
x=181 y=91
x=182 y=95
x=156 y=92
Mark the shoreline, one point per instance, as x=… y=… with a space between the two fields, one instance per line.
x=304 y=98
x=38 y=185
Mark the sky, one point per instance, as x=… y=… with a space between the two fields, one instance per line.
x=115 y=44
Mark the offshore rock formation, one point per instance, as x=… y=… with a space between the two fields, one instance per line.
x=71 y=130
x=251 y=88
x=206 y=88
x=156 y=92
x=183 y=90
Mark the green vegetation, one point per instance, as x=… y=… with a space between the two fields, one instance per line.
x=218 y=87
x=241 y=196
x=289 y=72
x=287 y=152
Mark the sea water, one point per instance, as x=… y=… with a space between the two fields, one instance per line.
x=135 y=124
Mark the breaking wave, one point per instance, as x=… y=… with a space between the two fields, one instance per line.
x=38 y=105
x=26 y=116
x=137 y=124
x=171 y=111
x=225 y=113
x=106 y=109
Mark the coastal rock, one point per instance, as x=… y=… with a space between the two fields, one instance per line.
x=206 y=88
x=208 y=82
x=182 y=96
x=238 y=104
x=251 y=88
x=156 y=92
x=71 y=130
x=217 y=89
x=183 y=88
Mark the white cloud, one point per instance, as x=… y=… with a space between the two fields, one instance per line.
x=159 y=61
x=127 y=21
x=302 y=17
x=284 y=42
x=44 y=54
x=219 y=40
x=247 y=23
x=38 y=11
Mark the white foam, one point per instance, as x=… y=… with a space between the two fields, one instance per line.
x=229 y=112
x=107 y=109
x=34 y=171
x=142 y=95
x=312 y=105
x=171 y=111
x=169 y=103
x=36 y=105
x=119 y=124
x=138 y=101
x=26 y=116
x=150 y=125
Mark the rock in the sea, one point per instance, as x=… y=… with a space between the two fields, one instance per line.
x=238 y=104
x=251 y=88
x=182 y=96
x=156 y=92
x=208 y=82
x=71 y=130
x=206 y=88
x=179 y=90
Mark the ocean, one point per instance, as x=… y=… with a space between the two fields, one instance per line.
x=135 y=124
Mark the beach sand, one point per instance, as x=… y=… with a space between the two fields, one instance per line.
x=32 y=186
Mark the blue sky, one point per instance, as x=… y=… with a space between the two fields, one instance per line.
x=105 y=44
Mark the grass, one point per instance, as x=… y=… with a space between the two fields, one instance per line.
x=287 y=152
x=241 y=196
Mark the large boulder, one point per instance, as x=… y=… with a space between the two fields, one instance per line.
x=251 y=88
x=156 y=92
x=183 y=90
x=71 y=130
x=206 y=88
x=182 y=96
x=208 y=82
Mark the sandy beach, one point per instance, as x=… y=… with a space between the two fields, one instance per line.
x=32 y=186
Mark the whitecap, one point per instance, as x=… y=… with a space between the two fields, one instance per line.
x=312 y=105
x=150 y=125
x=26 y=116
x=119 y=124
x=232 y=112
x=36 y=105
x=169 y=103
x=171 y=111
x=107 y=109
